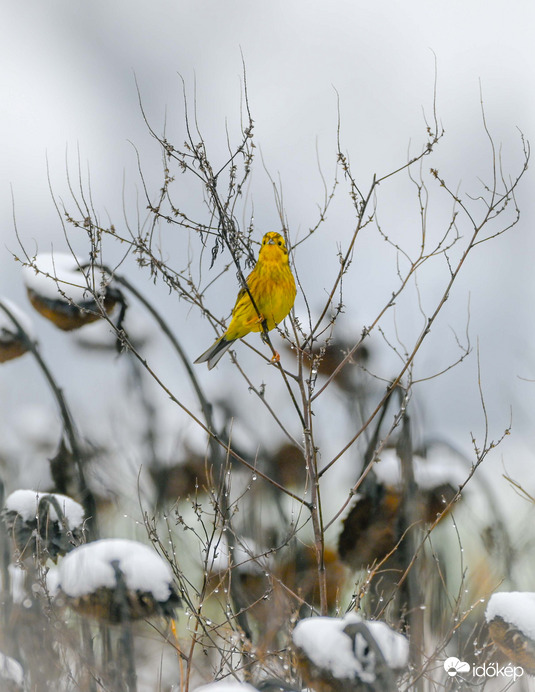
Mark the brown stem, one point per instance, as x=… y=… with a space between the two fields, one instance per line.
x=313 y=476
x=409 y=517
x=86 y=495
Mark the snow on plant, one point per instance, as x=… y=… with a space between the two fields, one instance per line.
x=42 y=524
x=25 y=503
x=66 y=292
x=325 y=398
x=341 y=650
x=90 y=579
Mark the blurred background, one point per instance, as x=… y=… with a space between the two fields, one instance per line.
x=73 y=77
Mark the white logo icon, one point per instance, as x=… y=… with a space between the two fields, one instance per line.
x=453 y=665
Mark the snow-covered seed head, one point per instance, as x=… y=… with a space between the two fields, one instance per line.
x=336 y=654
x=42 y=525
x=117 y=580
x=66 y=294
x=510 y=617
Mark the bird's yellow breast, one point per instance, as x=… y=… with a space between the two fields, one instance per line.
x=272 y=287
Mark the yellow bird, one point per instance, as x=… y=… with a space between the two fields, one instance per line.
x=272 y=287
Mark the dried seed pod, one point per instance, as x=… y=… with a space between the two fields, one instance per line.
x=299 y=573
x=371 y=529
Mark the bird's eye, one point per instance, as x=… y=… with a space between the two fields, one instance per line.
x=280 y=242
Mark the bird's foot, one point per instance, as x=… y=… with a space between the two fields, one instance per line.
x=257 y=319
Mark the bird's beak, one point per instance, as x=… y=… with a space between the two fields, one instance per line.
x=271 y=241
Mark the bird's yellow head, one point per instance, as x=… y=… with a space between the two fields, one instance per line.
x=273 y=247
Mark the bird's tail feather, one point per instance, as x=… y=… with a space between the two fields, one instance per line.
x=214 y=353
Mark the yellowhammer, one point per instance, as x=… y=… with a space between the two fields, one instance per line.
x=272 y=287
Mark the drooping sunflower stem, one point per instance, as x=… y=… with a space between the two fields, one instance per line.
x=87 y=497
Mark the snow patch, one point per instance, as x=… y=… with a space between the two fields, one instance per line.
x=393 y=645
x=11 y=670
x=226 y=686
x=429 y=473
x=17 y=583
